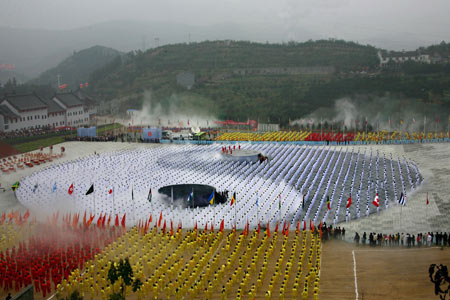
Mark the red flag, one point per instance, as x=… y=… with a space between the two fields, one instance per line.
x=349 y=201
x=259 y=228
x=304 y=225
x=298 y=226
x=195 y=227
x=287 y=229
x=116 y=222
x=171 y=227
x=150 y=220
x=313 y=227
x=376 y=201
x=276 y=228
x=212 y=226
x=206 y=227
x=99 y=220
x=147 y=225
x=84 y=219
x=310 y=225
x=428 y=202
x=70 y=191
x=144 y=230
x=104 y=220
x=27 y=213
x=284 y=227
x=75 y=220
x=233 y=199
x=109 y=220
x=91 y=218
x=123 y=220
x=222 y=224
x=3 y=218
x=164 y=227
x=160 y=219
x=268 y=229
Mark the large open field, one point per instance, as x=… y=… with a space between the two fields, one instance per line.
x=381 y=272
x=346 y=271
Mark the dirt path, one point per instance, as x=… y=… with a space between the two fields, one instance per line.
x=382 y=272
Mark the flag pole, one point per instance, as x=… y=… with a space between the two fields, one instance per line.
x=94 y=200
x=151 y=207
x=257 y=208
x=193 y=208
x=235 y=200
x=171 y=208
x=114 y=203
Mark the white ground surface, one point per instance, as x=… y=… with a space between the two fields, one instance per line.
x=433 y=161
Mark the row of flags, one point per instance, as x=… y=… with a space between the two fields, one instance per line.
x=211 y=199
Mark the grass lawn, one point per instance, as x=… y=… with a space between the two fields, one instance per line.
x=45 y=142
x=104 y=128
x=34 y=145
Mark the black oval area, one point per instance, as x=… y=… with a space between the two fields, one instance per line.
x=202 y=194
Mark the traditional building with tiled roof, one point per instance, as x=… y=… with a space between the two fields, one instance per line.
x=30 y=111
x=77 y=113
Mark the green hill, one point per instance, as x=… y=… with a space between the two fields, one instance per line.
x=240 y=79
x=77 y=68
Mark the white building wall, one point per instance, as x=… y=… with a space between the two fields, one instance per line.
x=57 y=119
x=76 y=116
x=27 y=119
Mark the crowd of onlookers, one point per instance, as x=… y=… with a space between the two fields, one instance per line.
x=122 y=137
x=403 y=239
x=100 y=138
x=27 y=132
x=329 y=232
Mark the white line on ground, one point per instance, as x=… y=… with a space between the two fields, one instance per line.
x=354 y=272
x=395 y=250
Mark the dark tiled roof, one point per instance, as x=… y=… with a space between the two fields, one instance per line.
x=69 y=99
x=85 y=97
x=26 y=102
x=6 y=112
x=53 y=107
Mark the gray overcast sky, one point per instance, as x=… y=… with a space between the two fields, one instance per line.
x=349 y=19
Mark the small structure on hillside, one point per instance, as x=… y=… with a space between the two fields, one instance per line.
x=186 y=79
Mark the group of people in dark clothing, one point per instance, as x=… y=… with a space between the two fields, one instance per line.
x=401 y=239
x=329 y=232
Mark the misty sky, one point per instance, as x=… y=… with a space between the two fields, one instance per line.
x=360 y=20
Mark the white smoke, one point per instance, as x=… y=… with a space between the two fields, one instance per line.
x=176 y=111
x=382 y=113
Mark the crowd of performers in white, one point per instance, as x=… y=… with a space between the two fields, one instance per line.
x=307 y=184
